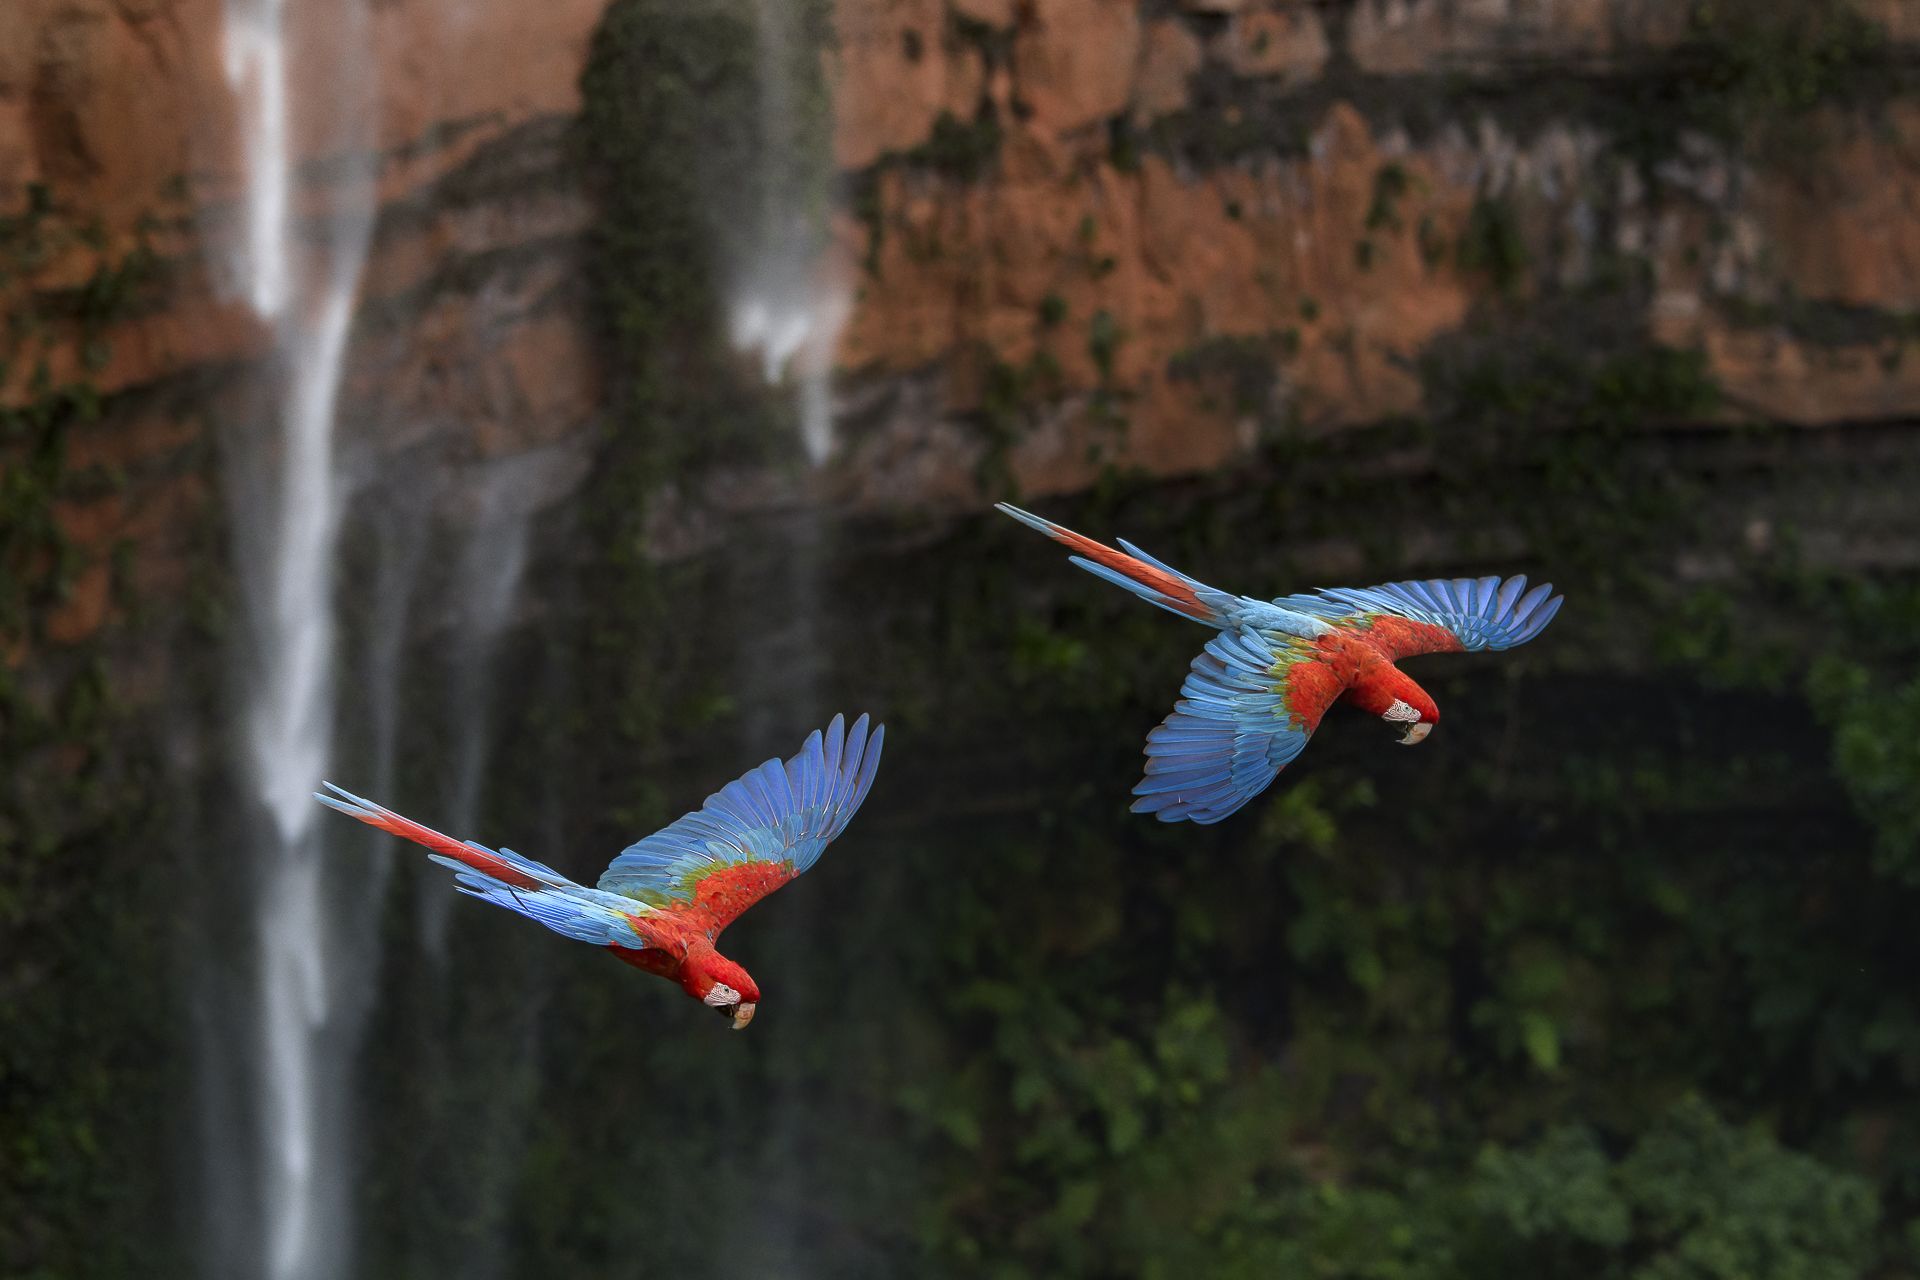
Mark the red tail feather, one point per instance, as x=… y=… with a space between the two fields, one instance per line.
x=1173 y=588
x=480 y=860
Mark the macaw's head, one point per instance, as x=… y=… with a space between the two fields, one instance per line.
x=1402 y=704
x=719 y=983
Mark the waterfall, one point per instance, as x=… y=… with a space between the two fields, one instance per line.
x=486 y=583
x=301 y=277
x=786 y=301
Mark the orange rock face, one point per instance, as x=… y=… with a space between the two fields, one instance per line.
x=1117 y=292
x=1074 y=60
x=472 y=338
x=1192 y=224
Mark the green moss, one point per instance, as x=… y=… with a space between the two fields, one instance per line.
x=1247 y=366
x=1008 y=397
x=1104 y=337
x=1598 y=989
x=863 y=198
x=1827 y=324
x=1123 y=145
x=84 y=1040
x=671 y=128
x=1390 y=186
x=1493 y=244
x=964 y=150
x=1759 y=67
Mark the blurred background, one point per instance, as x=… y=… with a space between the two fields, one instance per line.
x=530 y=415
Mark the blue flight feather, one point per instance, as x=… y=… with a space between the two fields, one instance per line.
x=1483 y=613
x=774 y=813
x=1229 y=734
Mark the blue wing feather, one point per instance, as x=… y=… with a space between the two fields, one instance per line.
x=1228 y=736
x=1482 y=614
x=773 y=813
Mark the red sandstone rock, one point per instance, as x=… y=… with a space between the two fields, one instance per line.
x=1091 y=282
x=1289 y=44
x=894 y=73
x=1074 y=61
x=1170 y=54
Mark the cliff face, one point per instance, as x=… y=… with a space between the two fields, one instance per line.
x=1080 y=233
x=1079 y=237
x=121 y=172
x=1122 y=210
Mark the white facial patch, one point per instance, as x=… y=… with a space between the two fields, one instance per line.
x=721 y=996
x=1400 y=711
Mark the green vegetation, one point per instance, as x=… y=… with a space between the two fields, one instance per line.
x=1245 y=366
x=83 y=1071
x=1828 y=324
x=1492 y=243
x=961 y=149
x=1754 y=69
x=1611 y=980
x=1754 y=76
x=1390 y=187
x=671 y=128
x=1608 y=985
x=1008 y=396
x=1104 y=337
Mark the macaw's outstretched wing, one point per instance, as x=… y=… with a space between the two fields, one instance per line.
x=754 y=834
x=1439 y=615
x=506 y=879
x=1247 y=708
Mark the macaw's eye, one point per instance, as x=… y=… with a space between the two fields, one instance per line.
x=722 y=997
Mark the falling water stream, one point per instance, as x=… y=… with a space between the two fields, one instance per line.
x=787 y=304
x=278 y=1180
x=486 y=583
x=301 y=276
x=280 y=1042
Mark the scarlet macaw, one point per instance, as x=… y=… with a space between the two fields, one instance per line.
x=660 y=905
x=1257 y=691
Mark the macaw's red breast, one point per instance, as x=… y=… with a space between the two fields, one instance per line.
x=651 y=959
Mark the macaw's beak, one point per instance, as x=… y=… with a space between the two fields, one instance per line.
x=1416 y=732
x=742 y=1015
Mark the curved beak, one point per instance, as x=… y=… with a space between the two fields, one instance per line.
x=1416 y=732
x=742 y=1015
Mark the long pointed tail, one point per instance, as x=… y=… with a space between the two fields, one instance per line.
x=506 y=879
x=506 y=866
x=1139 y=573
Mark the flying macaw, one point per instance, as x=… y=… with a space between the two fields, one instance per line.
x=660 y=905
x=1257 y=691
